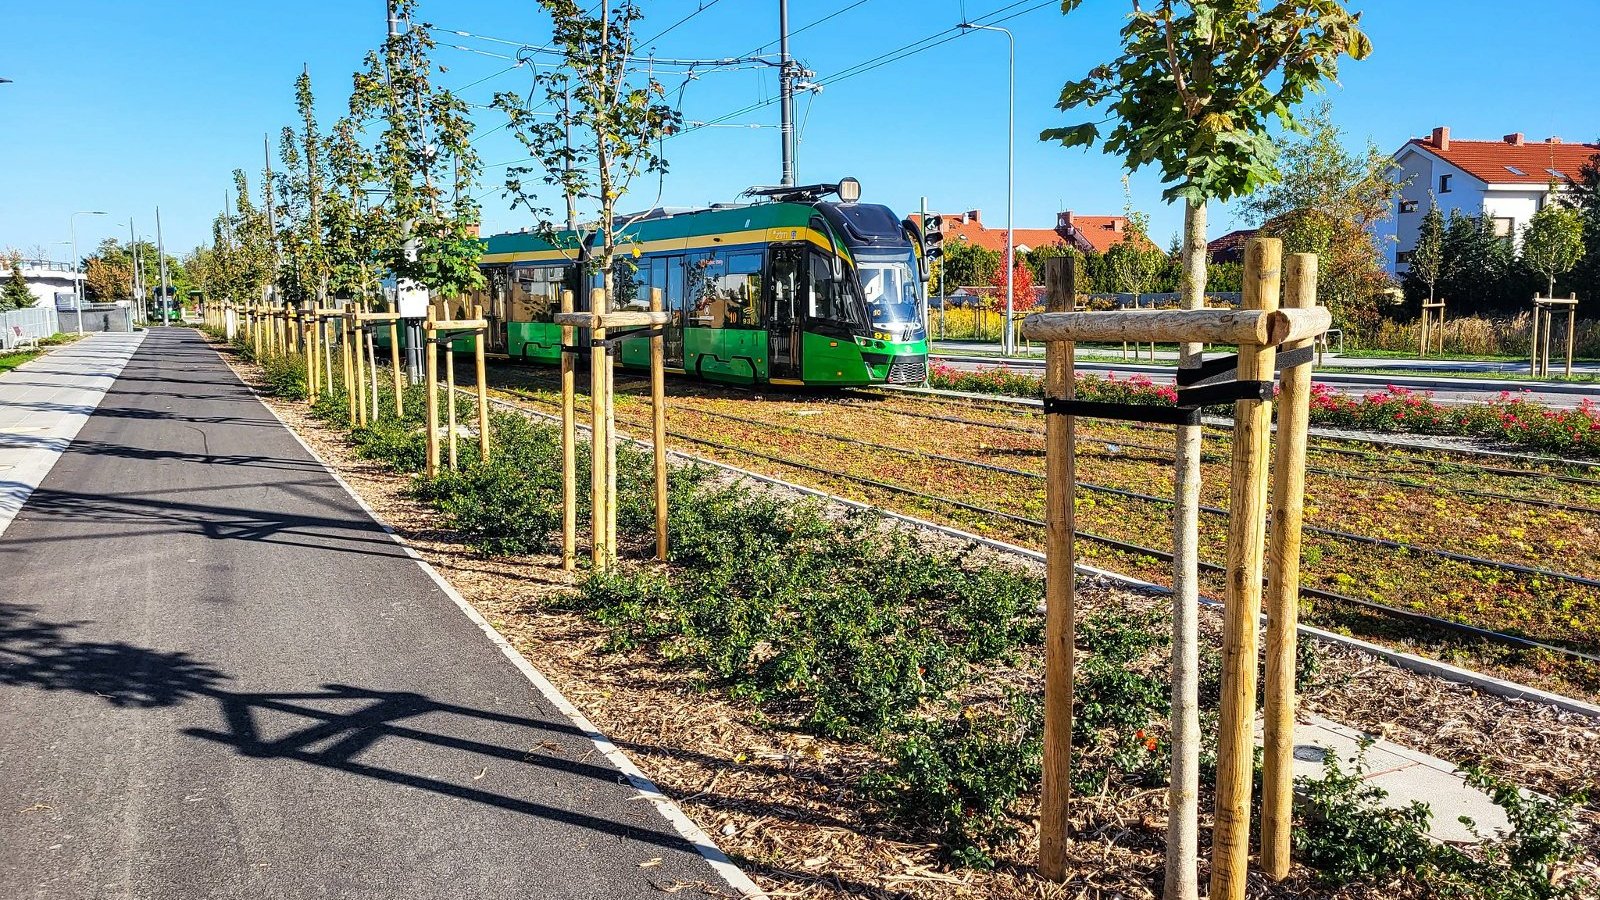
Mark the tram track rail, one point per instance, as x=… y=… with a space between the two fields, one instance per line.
x=1436 y=623
x=1026 y=406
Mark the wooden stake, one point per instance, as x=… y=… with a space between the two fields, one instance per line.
x=1060 y=587
x=358 y=352
x=611 y=451
x=372 y=368
x=450 y=399
x=1572 y=330
x=658 y=411
x=310 y=361
x=429 y=349
x=1252 y=428
x=349 y=367
x=1538 y=312
x=1283 y=582
x=394 y=365
x=483 y=388
x=569 y=453
x=327 y=350
x=597 y=431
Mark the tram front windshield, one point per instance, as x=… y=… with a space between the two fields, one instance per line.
x=889 y=284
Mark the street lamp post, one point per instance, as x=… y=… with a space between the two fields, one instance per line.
x=1007 y=340
x=77 y=265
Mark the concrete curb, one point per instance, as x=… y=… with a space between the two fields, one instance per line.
x=693 y=834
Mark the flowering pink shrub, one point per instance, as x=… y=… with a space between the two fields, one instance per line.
x=1510 y=417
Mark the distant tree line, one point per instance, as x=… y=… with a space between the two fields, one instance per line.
x=965 y=264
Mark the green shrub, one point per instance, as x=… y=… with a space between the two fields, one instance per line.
x=958 y=779
x=1531 y=862
x=1346 y=834
x=493 y=507
x=286 y=376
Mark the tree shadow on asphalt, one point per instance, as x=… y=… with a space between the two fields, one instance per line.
x=299 y=726
x=339 y=531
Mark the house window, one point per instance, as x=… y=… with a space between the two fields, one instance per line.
x=1444 y=183
x=1504 y=228
x=1408 y=206
x=1402 y=257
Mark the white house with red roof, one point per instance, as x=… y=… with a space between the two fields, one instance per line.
x=1508 y=180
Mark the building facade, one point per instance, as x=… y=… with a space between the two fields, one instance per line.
x=1507 y=180
x=1094 y=234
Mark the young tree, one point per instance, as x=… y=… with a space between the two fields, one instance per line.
x=965 y=264
x=1427 y=256
x=616 y=115
x=107 y=280
x=1584 y=196
x=1194 y=91
x=353 y=227
x=1552 y=242
x=303 y=267
x=1478 y=271
x=15 y=294
x=1327 y=202
x=424 y=160
x=1024 y=297
x=1134 y=261
x=250 y=250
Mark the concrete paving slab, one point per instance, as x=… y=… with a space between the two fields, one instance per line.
x=44 y=402
x=1404 y=774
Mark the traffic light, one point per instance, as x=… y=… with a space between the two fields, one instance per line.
x=933 y=237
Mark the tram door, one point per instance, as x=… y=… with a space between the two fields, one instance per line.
x=785 y=307
x=666 y=273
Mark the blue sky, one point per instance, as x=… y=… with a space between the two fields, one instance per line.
x=125 y=106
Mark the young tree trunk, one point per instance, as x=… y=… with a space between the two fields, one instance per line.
x=1182 y=877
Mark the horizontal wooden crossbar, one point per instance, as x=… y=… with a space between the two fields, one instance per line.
x=1211 y=326
x=456 y=324
x=621 y=319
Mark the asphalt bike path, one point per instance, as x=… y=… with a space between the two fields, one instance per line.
x=219 y=677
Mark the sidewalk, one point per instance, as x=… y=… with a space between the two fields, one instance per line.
x=43 y=404
x=219 y=677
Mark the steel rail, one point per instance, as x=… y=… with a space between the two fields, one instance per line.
x=1123 y=546
x=1020 y=406
x=1332 y=473
x=1409 y=458
x=1149 y=498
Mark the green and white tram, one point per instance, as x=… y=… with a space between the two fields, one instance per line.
x=790 y=290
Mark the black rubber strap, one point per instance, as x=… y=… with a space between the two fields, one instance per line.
x=1214 y=370
x=1225 y=392
x=1156 y=414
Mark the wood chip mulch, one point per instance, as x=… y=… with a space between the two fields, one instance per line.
x=780 y=802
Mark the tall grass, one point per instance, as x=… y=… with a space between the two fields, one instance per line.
x=1475 y=336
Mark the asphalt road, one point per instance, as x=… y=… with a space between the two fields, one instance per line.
x=1447 y=389
x=220 y=678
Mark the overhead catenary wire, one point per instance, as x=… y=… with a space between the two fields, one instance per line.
x=895 y=55
x=675 y=25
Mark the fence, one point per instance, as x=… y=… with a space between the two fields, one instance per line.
x=34 y=322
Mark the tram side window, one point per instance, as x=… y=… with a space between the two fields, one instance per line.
x=736 y=289
x=537 y=292
x=829 y=299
